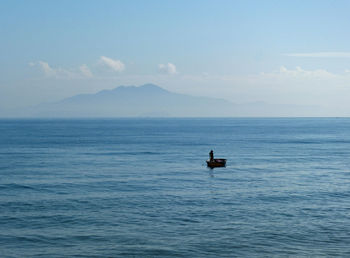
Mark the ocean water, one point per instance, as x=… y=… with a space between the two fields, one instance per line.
x=141 y=188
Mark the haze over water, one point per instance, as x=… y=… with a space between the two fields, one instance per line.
x=140 y=187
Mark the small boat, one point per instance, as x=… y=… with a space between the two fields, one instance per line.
x=216 y=163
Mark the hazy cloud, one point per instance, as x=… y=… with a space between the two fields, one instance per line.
x=321 y=54
x=299 y=73
x=284 y=85
x=84 y=69
x=60 y=73
x=45 y=67
x=116 y=65
x=168 y=68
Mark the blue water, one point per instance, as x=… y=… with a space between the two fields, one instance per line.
x=140 y=188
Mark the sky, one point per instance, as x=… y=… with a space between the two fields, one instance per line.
x=278 y=52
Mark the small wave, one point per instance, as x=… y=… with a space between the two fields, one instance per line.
x=147 y=251
x=120 y=153
x=15 y=186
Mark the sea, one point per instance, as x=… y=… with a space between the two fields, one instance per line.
x=141 y=188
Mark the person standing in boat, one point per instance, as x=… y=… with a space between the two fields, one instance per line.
x=211 y=155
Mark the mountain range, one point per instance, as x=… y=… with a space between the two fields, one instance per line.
x=150 y=100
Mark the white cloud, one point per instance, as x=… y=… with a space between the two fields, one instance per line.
x=84 y=69
x=60 y=73
x=116 y=65
x=45 y=67
x=321 y=54
x=168 y=68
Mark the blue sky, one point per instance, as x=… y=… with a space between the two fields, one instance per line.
x=293 y=52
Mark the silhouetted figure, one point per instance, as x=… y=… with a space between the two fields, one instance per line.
x=213 y=163
x=211 y=155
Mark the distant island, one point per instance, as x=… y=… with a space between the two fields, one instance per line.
x=150 y=100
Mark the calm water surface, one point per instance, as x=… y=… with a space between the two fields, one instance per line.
x=140 y=188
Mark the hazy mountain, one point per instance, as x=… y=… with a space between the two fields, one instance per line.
x=153 y=101
x=146 y=101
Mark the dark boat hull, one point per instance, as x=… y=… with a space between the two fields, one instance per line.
x=216 y=163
